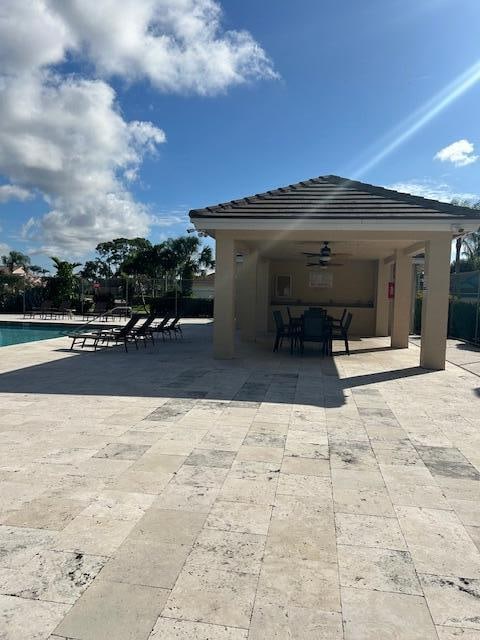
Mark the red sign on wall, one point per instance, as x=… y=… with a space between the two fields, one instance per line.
x=391 y=290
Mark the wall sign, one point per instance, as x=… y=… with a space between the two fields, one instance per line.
x=321 y=279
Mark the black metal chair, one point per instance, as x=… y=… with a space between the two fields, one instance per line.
x=315 y=328
x=341 y=332
x=338 y=322
x=282 y=331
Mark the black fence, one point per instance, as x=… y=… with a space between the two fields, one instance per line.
x=185 y=297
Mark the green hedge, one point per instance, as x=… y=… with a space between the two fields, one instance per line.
x=462 y=318
x=187 y=307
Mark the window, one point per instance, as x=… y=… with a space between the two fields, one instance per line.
x=283 y=286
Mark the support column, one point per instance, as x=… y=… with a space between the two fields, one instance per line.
x=382 y=303
x=224 y=315
x=247 y=296
x=401 y=301
x=263 y=296
x=435 y=303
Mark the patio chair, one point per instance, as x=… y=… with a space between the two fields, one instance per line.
x=144 y=331
x=115 y=334
x=283 y=331
x=173 y=327
x=316 y=328
x=99 y=309
x=63 y=310
x=341 y=332
x=338 y=322
x=45 y=306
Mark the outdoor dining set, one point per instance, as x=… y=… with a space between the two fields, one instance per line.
x=314 y=325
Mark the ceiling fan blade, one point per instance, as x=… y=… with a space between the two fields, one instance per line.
x=311 y=254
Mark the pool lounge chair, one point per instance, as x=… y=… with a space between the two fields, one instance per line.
x=173 y=327
x=124 y=334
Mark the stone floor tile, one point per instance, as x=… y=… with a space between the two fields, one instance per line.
x=187 y=497
x=410 y=495
x=168 y=629
x=468 y=511
x=294 y=623
x=317 y=510
x=255 y=439
x=299 y=583
x=46 y=513
x=406 y=475
x=228 y=551
x=146 y=561
x=377 y=569
x=170 y=526
x=454 y=633
x=156 y=462
x=21 y=619
x=200 y=476
x=250 y=491
x=309 y=540
x=119 y=505
x=438 y=542
x=305 y=466
x=453 y=601
x=303 y=485
x=367 y=501
x=18 y=545
x=211 y=458
x=260 y=454
x=239 y=517
x=138 y=481
x=474 y=533
x=345 y=455
x=370 y=531
x=114 y=610
x=93 y=536
x=56 y=576
x=371 y=615
x=212 y=596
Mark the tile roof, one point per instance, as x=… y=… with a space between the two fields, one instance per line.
x=332 y=197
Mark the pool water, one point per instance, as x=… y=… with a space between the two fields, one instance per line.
x=18 y=332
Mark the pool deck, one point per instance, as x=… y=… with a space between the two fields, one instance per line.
x=164 y=495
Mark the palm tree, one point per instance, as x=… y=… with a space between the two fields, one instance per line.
x=63 y=283
x=189 y=259
x=15 y=259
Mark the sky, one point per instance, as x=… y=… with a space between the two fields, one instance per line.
x=116 y=123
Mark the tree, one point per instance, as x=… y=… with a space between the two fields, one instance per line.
x=468 y=246
x=115 y=253
x=64 y=282
x=15 y=259
x=190 y=259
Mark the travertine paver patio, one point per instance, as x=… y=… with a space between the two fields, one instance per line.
x=162 y=494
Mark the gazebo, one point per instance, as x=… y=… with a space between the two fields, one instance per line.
x=335 y=243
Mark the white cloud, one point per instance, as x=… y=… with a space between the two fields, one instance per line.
x=65 y=137
x=460 y=153
x=434 y=190
x=12 y=192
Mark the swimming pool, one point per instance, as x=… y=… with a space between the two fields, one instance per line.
x=18 y=332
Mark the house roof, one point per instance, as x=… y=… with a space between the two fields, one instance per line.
x=332 y=197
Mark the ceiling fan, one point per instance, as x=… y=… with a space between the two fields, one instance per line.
x=324 y=258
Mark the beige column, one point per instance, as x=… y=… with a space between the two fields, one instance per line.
x=224 y=314
x=247 y=296
x=263 y=296
x=382 y=303
x=435 y=302
x=401 y=301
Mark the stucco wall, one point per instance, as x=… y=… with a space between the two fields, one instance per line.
x=353 y=284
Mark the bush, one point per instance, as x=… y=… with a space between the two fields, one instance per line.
x=463 y=320
x=187 y=307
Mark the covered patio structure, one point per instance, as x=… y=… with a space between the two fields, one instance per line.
x=372 y=235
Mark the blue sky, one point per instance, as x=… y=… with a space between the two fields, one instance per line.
x=349 y=77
